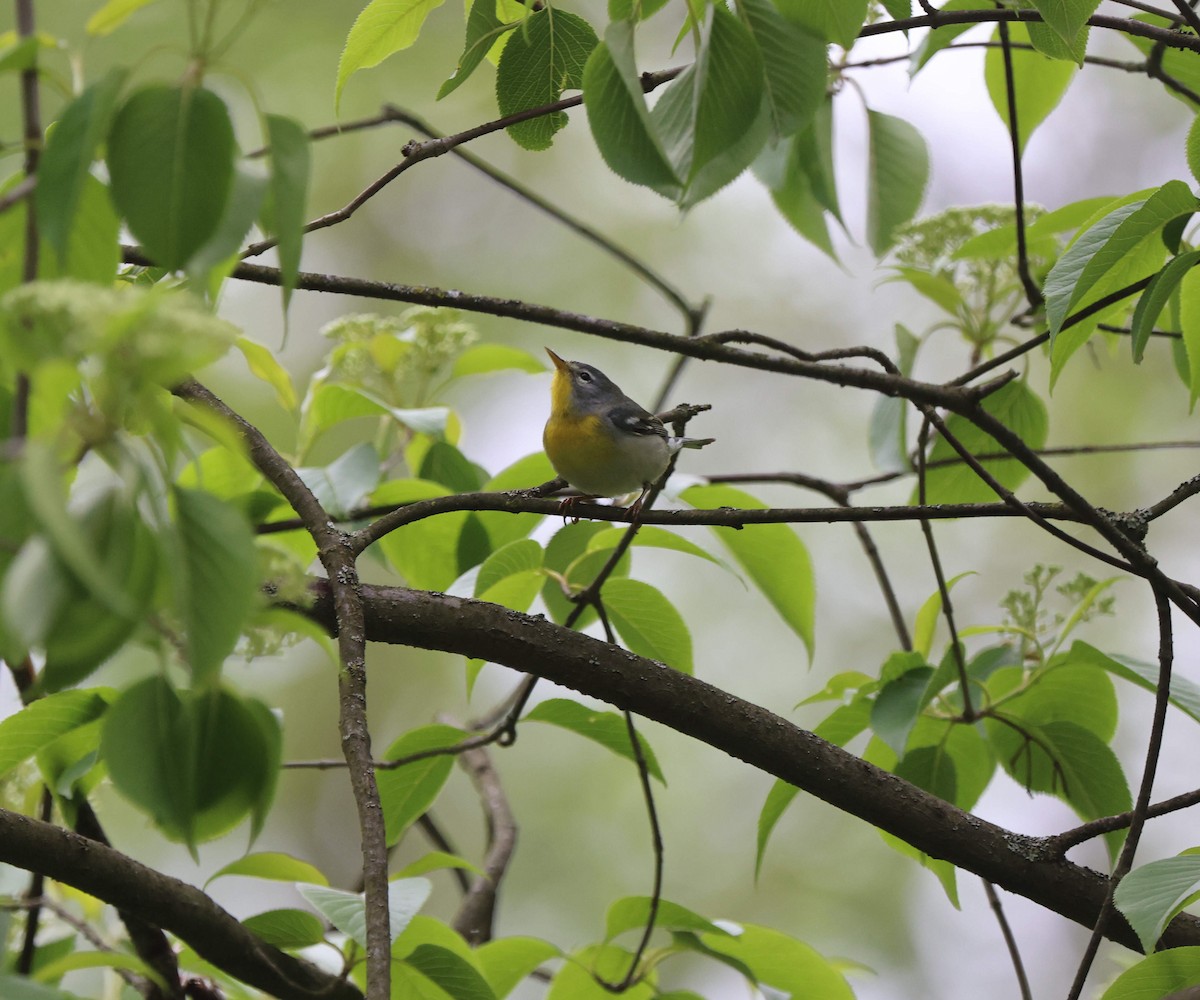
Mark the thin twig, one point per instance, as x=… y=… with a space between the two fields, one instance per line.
x=1033 y=294
x=37 y=886
x=338 y=559
x=1068 y=839
x=437 y=836
x=1166 y=655
x=1010 y=941
x=31 y=123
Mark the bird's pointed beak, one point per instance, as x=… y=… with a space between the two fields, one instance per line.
x=559 y=363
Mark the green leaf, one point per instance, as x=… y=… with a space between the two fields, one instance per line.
x=577 y=979
x=1065 y=760
x=606 y=728
x=1189 y=322
x=1107 y=243
x=897 y=173
x=539 y=62
x=782 y=962
x=1157 y=975
x=778 y=799
x=107 y=959
x=286 y=928
x=648 y=623
x=216 y=579
x=1068 y=18
x=93 y=251
x=407 y=792
x=213 y=261
x=347 y=910
x=712 y=118
x=940 y=37
x=794 y=64
x=436 y=861
x=1149 y=896
x=445 y=464
x=112 y=15
x=771 y=554
x=483 y=359
x=1193 y=147
x=453 y=973
x=1154 y=299
x=633 y=912
x=516 y=557
x=43 y=721
x=897 y=705
x=264 y=365
x=1039 y=82
x=502 y=528
x=799 y=175
x=648 y=536
x=1022 y=412
x=507 y=961
x=484 y=28
x=65 y=164
x=837 y=20
x=289 y=159
x=619 y=119
x=198 y=763
x=424 y=552
x=22 y=988
x=1185 y=694
x=383 y=28
x=271 y=865
x=170 y=160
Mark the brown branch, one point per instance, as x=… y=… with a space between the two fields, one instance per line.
x=338 y=560
x=1063 y=842
x=1010 y=941
x=476 y=913
x=1019 y=863
x=185 y=911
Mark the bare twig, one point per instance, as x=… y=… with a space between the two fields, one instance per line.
x=338 y=559
x=1010 y=940
x=1166 y=655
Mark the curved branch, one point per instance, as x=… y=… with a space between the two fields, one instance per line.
x=185 y=911
x=1021 y=864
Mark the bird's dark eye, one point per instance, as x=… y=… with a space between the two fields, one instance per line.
x=585 y=376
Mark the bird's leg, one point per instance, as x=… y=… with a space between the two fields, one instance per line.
x=567 y=507
x=635 y=508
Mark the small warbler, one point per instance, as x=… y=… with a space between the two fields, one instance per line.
x=599 y=440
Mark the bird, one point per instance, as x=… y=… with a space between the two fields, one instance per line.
x=602 y=442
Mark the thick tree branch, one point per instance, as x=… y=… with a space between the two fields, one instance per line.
x=1021 y=864
x=166 y=902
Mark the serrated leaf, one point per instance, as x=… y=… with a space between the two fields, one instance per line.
x=794 y=66
x=516 y=557
x=66 y=162
x=484 y=28
x=539 y=62
x=408 y=791
x=170 y=160
x=347 y=910
x=649 y=536
x=837 y=20
x=712 y=118
x=483 y=359
x=1039 y=82
x=1189 y=323
x=772 y=555
x=618 y=117
x=897 y=173
x=381 y=29
x=1107 y=243
x=1068 y=18
x=1149 y=896
x=216 y=580
x=647 y=622
x=606 y=728
x=1193 y=147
